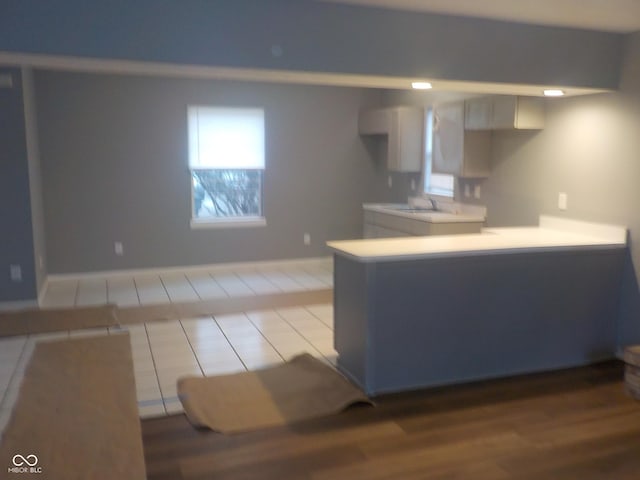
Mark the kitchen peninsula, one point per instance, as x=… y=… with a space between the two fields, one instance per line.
x=425 y=311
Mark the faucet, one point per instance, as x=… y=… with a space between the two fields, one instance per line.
x=434 y=204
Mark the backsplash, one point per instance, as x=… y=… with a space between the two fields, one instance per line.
x=400 y=189
x=450 y=206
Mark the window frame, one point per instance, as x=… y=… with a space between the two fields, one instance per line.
x=196 y=223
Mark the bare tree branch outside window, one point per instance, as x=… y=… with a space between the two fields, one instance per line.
x=227 y=193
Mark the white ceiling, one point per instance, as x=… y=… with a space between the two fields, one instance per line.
x=606 y=15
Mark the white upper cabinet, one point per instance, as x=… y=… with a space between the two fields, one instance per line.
x=503 y=112
x=456 y=151
x=477 y=113
x=404 y=127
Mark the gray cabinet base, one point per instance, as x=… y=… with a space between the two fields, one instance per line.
x=408 y=324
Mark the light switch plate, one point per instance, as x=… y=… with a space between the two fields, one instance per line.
x=15 y=273
x=562 y=201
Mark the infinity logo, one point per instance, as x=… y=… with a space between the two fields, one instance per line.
x=19 y=460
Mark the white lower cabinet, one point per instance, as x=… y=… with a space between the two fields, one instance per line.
x=388 y=225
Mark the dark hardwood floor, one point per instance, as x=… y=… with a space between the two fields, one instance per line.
x=572 y=424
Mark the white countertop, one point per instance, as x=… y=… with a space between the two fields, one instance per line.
x=552 y=234
x=426 y=216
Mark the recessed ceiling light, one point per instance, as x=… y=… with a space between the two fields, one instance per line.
x=421 y=85
x=553 y=92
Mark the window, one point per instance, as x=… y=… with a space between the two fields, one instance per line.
x=434 y=183
x=226 y=161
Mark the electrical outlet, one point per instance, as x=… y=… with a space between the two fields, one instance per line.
x=390 y=181
x=15 y=273
x=476 y=191
x=563 y=199
x=306 y=239
x=118 y=248
x=413 y=184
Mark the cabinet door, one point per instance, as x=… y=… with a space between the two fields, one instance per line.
x=448 y=138
x=406 y=139
x=504 y=112
x=477 y=153
x=404 y=128
x=394 y=160
x=529 y=113
x=525 y=113
x=478 y=112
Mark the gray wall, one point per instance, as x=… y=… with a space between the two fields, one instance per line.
x=15 y=212
x=111 y=147
x=312 y=36
x=590 y=149
x=35 y=178
x=114 y=163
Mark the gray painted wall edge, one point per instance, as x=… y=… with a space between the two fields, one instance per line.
x=35 y=178
x=304 y=35
x=16 y=237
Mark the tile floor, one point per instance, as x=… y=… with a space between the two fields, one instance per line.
x=164 y=351
x=210 y=345
x=190 y=285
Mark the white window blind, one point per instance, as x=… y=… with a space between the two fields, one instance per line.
x=226 y=138
x=434 y=183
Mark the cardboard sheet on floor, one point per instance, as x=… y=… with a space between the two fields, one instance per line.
x=300 y=389
x=33 y=320
x=76 y=416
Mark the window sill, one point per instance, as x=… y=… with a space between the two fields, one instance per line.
x=237 y=222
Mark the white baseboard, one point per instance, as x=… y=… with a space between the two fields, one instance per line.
x=43 y=290
x=213 y=267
